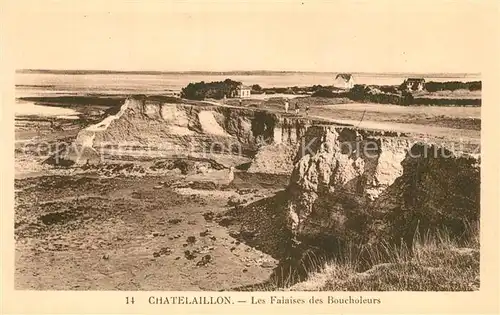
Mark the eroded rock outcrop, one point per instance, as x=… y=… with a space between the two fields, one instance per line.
x=145 y=129
x=278 y=156
x=355 y=185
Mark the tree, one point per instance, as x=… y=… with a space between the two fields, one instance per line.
x=256 y=88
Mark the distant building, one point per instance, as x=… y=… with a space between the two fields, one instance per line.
x=414 y=84
x=344 y=81
x=242 y=91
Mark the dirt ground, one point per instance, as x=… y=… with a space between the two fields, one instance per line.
x=131 y=234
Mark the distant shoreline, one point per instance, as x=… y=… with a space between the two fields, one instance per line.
x=256 y=72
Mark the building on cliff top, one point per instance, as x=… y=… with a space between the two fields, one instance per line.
x=414 y=84
x=344 y=81
x=242 y=91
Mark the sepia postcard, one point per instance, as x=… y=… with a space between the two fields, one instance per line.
x=227 y=157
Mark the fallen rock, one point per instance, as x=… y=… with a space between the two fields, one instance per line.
x=247 y=234
x=166 y=251
x=235 y=201
x=191 y=239
x=189 y=255
x=226 y=220
x=204 y=260
x=204 y=233
x=174 y=221
x=209 y=216
x=267 y=264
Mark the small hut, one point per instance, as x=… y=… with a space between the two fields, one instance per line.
x=344 y=81
x=242 y=91
x=414 y=84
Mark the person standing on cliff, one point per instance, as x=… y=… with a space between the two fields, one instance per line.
x=286 y=106
x=297 y=108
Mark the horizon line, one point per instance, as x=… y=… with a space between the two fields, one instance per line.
x=104 y=71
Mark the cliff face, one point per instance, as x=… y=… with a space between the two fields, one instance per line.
x=146 y=129
x=277 y=157
x=354 y=185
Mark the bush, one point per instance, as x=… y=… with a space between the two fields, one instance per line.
x=323 y=93
x=452 y=86
x=368 y=94
x=256 y=88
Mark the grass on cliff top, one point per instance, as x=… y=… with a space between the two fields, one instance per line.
x=434 y=263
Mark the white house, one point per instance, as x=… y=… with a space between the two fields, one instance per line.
x=242 y=91
x=414 y=84
x=344 y=81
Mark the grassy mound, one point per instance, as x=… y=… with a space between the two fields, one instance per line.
x=434 y=263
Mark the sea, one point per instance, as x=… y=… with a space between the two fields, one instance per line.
x=32 y=83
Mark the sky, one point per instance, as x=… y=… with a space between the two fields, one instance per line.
x=337 y=36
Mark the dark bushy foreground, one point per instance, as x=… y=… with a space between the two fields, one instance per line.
x=434 y=263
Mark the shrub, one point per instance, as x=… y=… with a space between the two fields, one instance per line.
x=256 y=88
x=452 y=86
x=363 y=93
x=322 y=92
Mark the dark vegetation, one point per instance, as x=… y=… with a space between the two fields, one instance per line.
x=300 y=90
x=257 y=89
x=397 y=96
x=453 y=86
x=363 y=93
x=446 y=101
x=216 y=90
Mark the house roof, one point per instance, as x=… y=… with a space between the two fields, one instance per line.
x=344 y=76
x=244 y=87
x=415 y=80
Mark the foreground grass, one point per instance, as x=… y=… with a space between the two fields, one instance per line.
x=433 y=264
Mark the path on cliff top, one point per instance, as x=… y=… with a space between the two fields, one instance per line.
x=419 y=131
